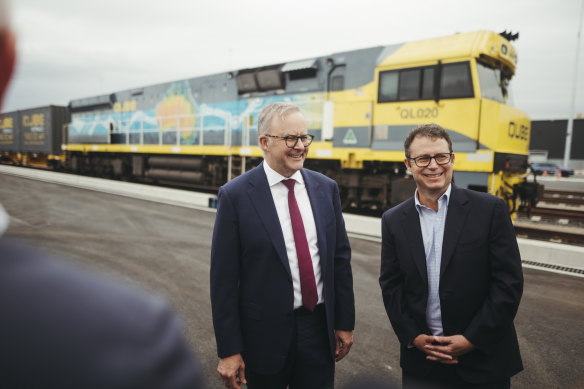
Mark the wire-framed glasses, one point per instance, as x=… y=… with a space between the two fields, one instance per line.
x=292 y=140
x=425 y=160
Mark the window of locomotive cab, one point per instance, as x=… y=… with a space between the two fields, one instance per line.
x=406 y=84
x=409 y=84
x=490 y=82
x=388 y=84
x=455 y=81
x=418 y=83
x=428 y=83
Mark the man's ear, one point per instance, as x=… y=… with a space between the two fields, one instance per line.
x=7 y=59
x=407 y=163
x=263 y=141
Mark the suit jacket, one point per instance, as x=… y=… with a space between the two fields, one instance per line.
x=251 y=283
x=62 y=327
x=481 y=283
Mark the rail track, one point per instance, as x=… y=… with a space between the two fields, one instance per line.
x=560 y=214
x=559 y=217
x=573 y=198
x=565 y=235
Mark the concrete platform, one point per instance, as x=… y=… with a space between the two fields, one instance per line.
x=181 y=198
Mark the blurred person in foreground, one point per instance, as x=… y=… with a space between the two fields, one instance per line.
x=62 y=327
x=451 y=275
x=281 y=280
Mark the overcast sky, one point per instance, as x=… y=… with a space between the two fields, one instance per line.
x=70 y=49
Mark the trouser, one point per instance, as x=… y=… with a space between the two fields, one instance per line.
x=309 y=364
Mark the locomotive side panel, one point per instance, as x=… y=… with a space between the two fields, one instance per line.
x=41 y=129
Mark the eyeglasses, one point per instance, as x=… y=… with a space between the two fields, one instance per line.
x=292 y=140
x=425 y=160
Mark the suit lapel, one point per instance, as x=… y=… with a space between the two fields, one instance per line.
x=413 y=231
x=319 y=209
x=458 y=208
x=261 y=197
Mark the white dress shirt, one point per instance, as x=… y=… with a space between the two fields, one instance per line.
x=432 y=224
x=280 y=196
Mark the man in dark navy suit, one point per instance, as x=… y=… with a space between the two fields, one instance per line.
x=451 y=276
x=61 y=327
x=281 y=280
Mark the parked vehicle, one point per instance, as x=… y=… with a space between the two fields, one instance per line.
x=550 y=169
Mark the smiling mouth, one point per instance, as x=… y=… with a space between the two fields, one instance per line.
x=433 y=175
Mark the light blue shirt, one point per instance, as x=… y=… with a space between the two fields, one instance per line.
x=432 y=224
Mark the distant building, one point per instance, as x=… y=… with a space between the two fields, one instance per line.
x=550 y=136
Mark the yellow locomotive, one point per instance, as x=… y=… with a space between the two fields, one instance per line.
x=360 y=104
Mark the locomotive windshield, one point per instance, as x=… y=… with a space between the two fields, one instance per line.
x=493 y=85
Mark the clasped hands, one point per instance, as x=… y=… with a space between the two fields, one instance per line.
x=443 y=349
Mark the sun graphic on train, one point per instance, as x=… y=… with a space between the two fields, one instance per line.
x=178 y=113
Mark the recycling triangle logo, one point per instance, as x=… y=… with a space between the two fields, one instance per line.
x=350 y=138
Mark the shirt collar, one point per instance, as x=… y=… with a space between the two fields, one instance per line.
x=274 y=177
x=445 y=197
x=4 y=219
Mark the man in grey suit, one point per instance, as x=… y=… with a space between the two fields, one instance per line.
x=62 y=327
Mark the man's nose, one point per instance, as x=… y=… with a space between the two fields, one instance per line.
x=433 y=162
x=299 y=145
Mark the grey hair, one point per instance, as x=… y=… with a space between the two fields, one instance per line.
x=265 y=118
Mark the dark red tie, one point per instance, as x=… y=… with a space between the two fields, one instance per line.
x=307 y=281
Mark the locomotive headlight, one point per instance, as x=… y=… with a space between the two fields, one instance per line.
x=504 y=49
